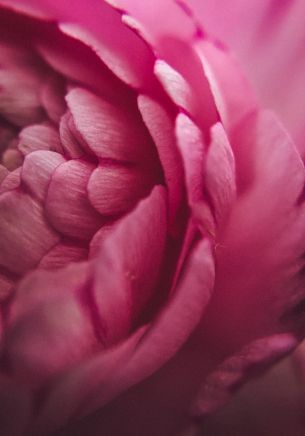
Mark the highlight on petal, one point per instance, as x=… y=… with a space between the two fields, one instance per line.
x=107 y=130
x=67 y=206
x=233 y=95
x=161 y=128
x=39 y=137
x=37 y=171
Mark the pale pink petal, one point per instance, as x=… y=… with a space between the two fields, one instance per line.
x=82 y=65
x=268 y=39
x=67 y=206
x=37 y=171
x=25 y=235
x=128 y=266
x=192 y=147
x=39 y=137
x=161 y=127
x=220 y=173
x=63 y=254
x=115 y=189
x=109 y=131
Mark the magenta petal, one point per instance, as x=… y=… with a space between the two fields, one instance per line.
x=236 y=369
x=114 y=189
x=63 y=254
x=71 y=146
x=67 y=205
x=37 y=171
x=3 y=173
x=6 y=287
x=109 y=131
x=25 y=235
x=161 y=128
x=55 y=335
x=99 y=238
x=168 y=333
x=128 y=265
x=39 y=137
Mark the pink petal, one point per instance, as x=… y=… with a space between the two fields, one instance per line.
x=233 y=95
x=11 y=181
x=16 y=407
x=25 y=236
x=6 y=287
x=63 y=254
x=40 y=287
x=109 y=131
x=39 y=137
x=3 y=173
x=52 y=98
x=220 y=173
x=68 y=393
x=54 y=336
x=99 y=238
x=268 y=39
x=161 y=129
x=128 y=266
x=67 y=205
x=37 y=171
x=70 y=143
x=12 y=159
x=106 y=375
x=107 y=188
x=259 y=253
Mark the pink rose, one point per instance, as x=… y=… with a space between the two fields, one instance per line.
x=151 y=216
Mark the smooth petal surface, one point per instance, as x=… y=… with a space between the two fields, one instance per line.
x=129 y=264
x=39 y=137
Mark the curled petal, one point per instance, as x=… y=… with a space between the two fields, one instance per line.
x=67 y=205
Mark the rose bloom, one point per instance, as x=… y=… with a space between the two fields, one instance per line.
x=152 y=217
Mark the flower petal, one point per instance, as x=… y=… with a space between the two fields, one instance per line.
x=129 y=264
x=107 y=130
x=39 y=137
x=37 y=171
x=25 y=235
x=67 y=205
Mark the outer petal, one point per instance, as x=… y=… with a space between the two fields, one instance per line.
x=268 y=38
